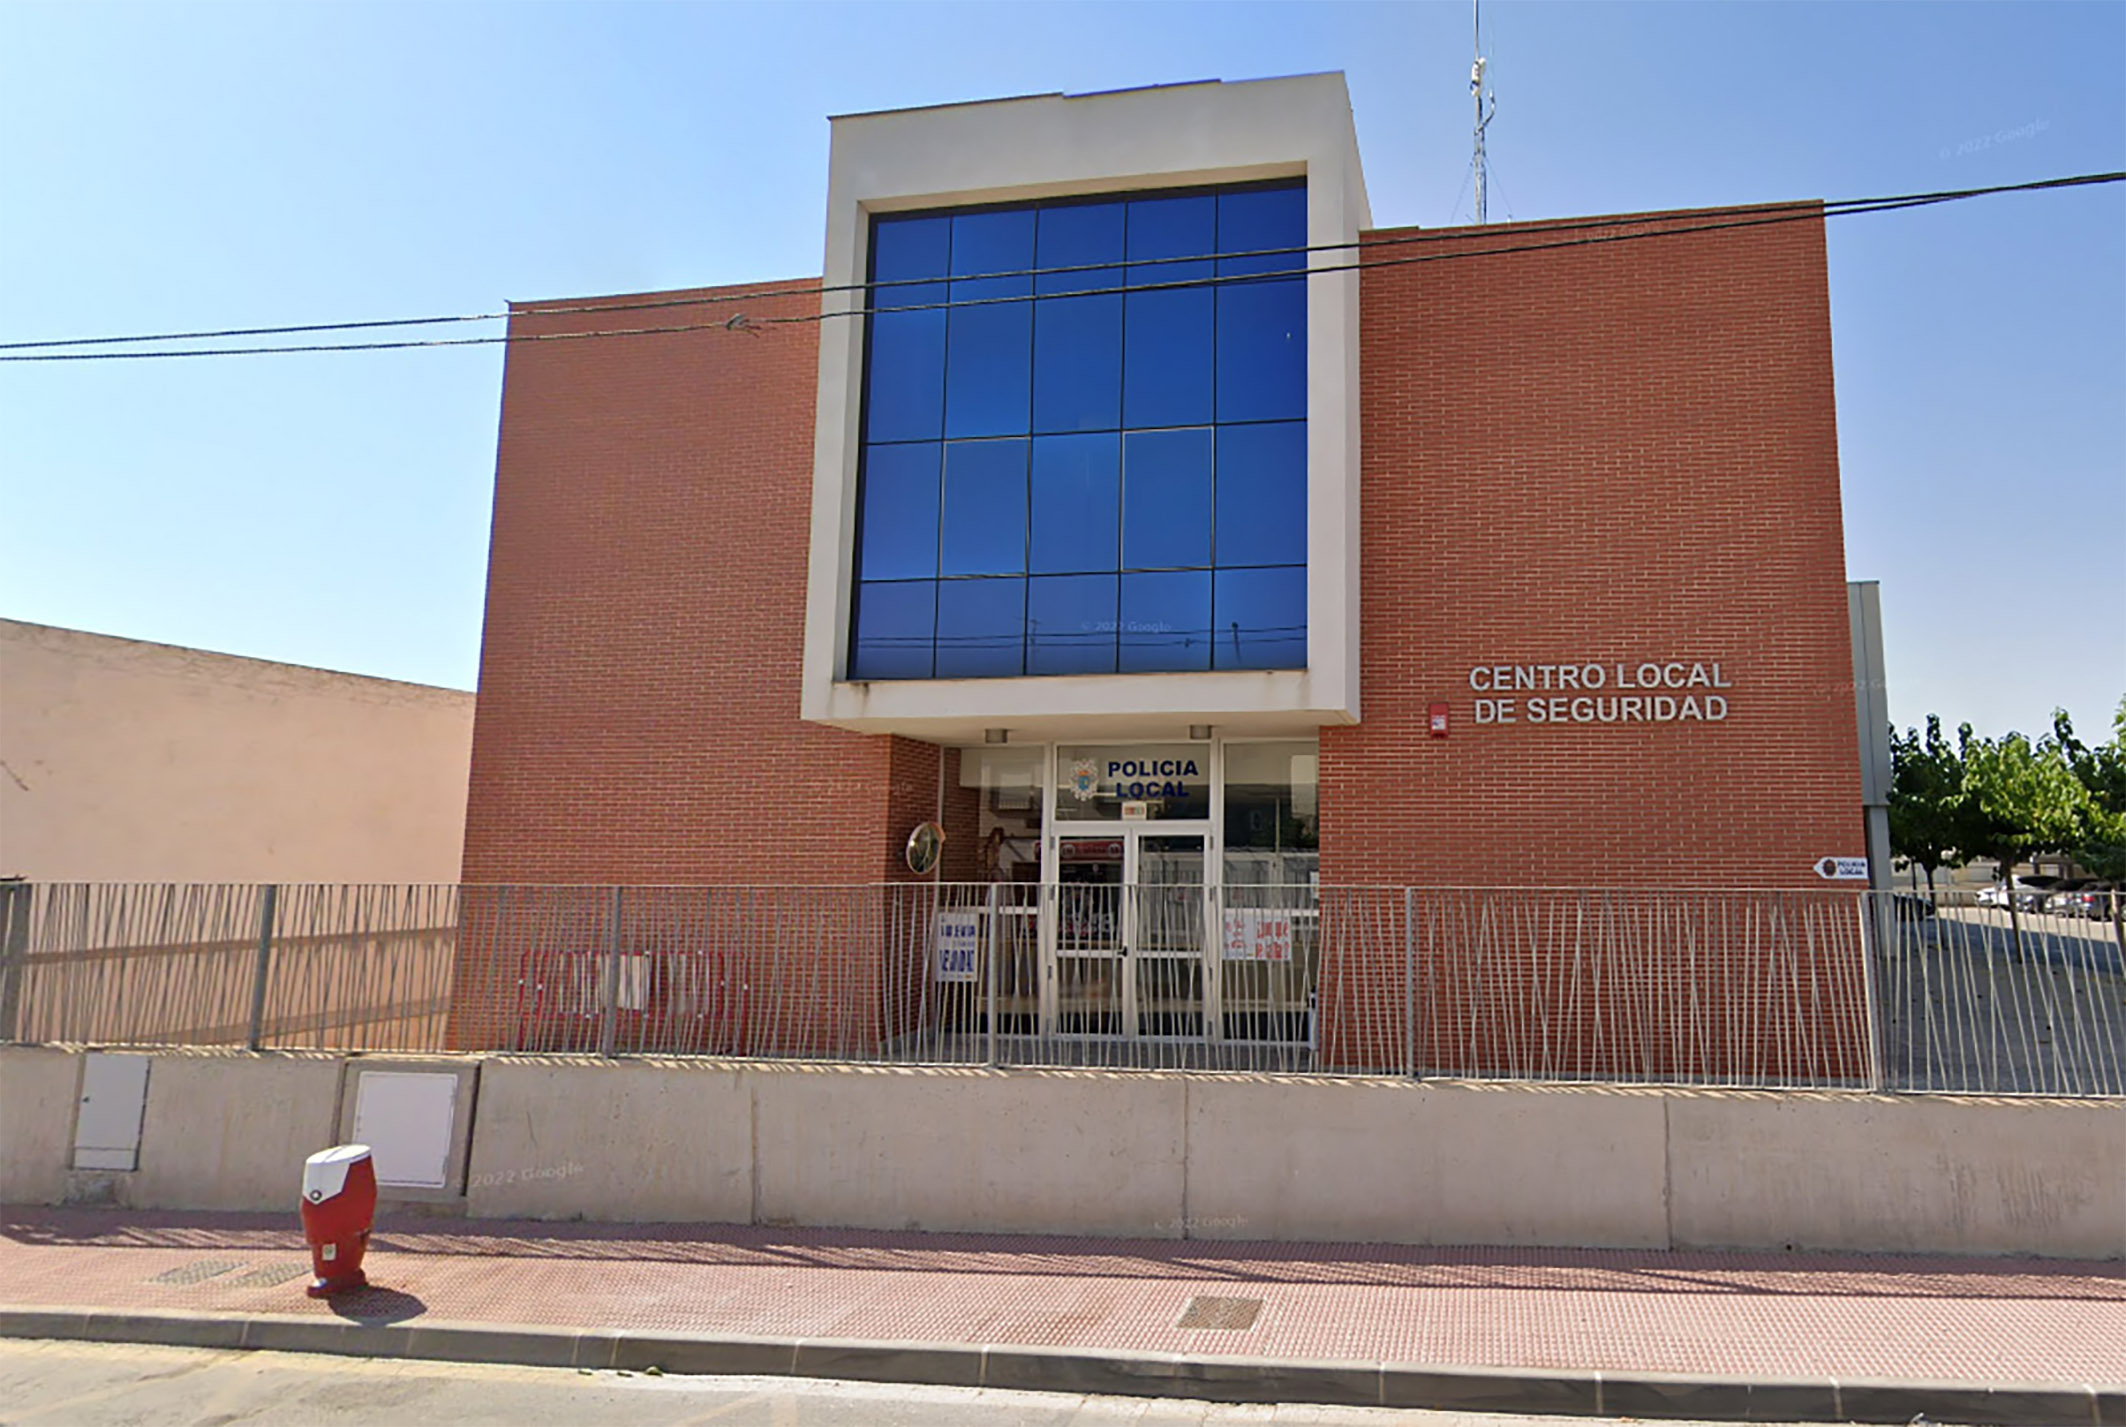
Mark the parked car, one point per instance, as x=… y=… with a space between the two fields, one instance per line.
x=2098 y=901
x=2066 y=898
x=2029 y=893
x=1994 y=894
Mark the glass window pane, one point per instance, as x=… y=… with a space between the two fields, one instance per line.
x=905 y=249
x=1094 y=780
x=1124 y=470
x=900 y=534
x=1070 y=624
x=1079 y=235
x=989 y=349
x=1262 y=494
x=989 y=369
x=1077 y=364
x=1014 y=773
x=1255 y=219
x=984 y=525
x=1167 y=354
x=996 y=242
x=1166 y=621
x=1167 y=336
x=1166 y=499
x=1164 y=229
x=1272 y=813
x=1077 y=384
x=895 y=625
x=906 y=394
x=1008 y=785
x=1262 y=350
x=1077 y=493
x=1261 y=618
x=981 y=629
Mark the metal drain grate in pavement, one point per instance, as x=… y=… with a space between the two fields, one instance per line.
x=1207 y=1312
x=271 y=1275
x=197 y=1271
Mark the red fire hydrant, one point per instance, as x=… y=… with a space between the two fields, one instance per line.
x=339 y=1203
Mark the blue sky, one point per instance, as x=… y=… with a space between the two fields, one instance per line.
x=176 y=166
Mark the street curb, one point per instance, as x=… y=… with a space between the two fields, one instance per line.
x=1103 y=1371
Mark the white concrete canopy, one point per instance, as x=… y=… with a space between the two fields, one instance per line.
x=1057 y=145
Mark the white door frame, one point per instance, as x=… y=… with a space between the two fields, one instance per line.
x=1207 y=948
x=1124 y=952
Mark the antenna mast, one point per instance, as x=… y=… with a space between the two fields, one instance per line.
x=1483 y=116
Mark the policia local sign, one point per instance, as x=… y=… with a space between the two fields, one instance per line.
x=1592 y=691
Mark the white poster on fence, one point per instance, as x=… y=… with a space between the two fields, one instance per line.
x=957 y=939
x=1257 y=934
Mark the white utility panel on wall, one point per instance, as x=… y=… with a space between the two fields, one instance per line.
x=406 y=1119
x=114 y=1093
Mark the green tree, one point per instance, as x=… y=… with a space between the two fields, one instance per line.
x=2100 y=844
x=1926 y=792
x=2019 y=798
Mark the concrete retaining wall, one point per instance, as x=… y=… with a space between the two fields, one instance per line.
x=1904 y=1175
x=1170 y=1156
x=229 y=1131
x=625 y=1140
x=1411 y=1162
x=1046 y=1151
x=38 y=1088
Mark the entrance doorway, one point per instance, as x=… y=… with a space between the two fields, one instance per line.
x=1130 y=950
x=1153 y=894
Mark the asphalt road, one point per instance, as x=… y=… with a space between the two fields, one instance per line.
x=45 y=1384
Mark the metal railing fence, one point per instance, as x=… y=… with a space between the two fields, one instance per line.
x=2001 y=1000
x=1720 y=988
x=1816 y=988
x=318 y=967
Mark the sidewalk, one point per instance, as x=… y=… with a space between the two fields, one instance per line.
x=1816 y=1336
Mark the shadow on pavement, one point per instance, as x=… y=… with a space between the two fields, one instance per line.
x=375 y=1305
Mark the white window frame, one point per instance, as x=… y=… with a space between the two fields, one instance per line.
x=1051 y=146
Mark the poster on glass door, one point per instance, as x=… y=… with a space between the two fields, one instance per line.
x=1257 y=934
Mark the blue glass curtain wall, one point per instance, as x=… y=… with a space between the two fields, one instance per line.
x=1085 y=439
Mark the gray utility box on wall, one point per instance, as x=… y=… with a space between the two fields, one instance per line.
x=114 y=1096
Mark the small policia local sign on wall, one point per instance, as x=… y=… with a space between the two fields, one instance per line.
x=1594 y=691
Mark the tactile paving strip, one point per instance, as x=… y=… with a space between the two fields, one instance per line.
x=266 y=1276
x=198 y=1271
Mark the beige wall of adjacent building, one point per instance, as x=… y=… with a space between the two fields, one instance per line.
x=127 y=761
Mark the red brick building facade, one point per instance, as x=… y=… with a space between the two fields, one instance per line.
x=1615 y=452
x=645 y=601
x=1618 y=450
x=1589 y=456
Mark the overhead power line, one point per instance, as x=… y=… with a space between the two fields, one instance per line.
x=1610 y=230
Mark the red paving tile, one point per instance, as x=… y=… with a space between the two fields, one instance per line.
x=1734 y=1314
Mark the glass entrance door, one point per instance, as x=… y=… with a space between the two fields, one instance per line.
x=1129 y=933
x=1088 y=965
x=1167 y=945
